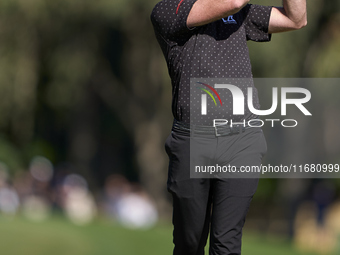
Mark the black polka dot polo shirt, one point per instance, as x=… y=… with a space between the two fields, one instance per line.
x=215 y=50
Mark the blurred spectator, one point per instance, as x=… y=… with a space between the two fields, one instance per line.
x=34 y=188
x=9 y=199
x=41 y=169
x=135 y=209
x=128 y=203
x=116 y=186
x=316 y=220
x=36 y=208
x=78 y=202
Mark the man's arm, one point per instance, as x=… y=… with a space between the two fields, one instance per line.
x=206 y=11
x=292 y=16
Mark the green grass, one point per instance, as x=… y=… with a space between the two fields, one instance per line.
x=57 y=236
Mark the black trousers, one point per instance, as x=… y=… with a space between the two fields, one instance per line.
x=218 y=205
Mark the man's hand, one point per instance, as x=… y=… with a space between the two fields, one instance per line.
x=206 y=11
x=292 y=16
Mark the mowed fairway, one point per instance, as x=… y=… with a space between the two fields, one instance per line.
x=57 y=236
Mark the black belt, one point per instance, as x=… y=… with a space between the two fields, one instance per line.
x=218 y=130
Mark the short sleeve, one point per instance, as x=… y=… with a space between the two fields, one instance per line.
x=169 y=17
x=257 y=22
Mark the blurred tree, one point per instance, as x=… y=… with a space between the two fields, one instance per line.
x=85 y=82
x=61 y=63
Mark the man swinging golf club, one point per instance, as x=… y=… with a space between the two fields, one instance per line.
x=207 y=39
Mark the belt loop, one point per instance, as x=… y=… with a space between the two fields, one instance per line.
x=241 y=129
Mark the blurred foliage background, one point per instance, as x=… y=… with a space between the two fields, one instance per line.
x=83 y=85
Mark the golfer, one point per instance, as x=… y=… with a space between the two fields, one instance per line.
x=207 y=39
